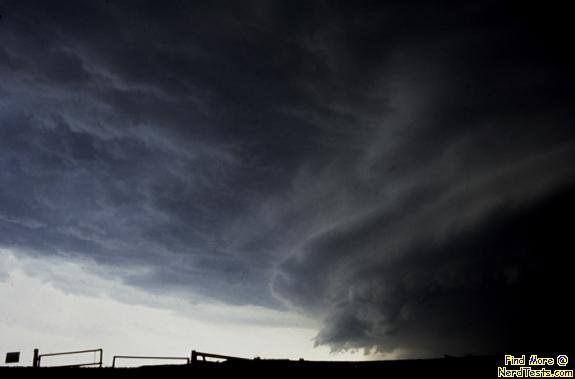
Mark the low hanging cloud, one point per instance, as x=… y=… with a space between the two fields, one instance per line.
x=393 y=171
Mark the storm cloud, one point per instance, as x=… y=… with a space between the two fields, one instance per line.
x=401 y=172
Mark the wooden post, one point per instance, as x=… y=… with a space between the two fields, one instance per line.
x=35 y=359
x=194 y=356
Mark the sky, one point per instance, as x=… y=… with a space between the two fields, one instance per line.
x=326 y=180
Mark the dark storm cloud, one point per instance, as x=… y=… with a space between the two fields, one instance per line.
x=390 y=169
x=110 y=150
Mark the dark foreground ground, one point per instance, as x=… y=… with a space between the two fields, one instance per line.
x=469 y=367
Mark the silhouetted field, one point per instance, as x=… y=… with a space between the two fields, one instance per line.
x=469 y=367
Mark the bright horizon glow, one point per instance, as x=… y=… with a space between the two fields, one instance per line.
x=58 y=305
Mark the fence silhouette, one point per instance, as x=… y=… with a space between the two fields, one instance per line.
x=198 y=354
x=196 y=357
x=147 y=357
x=36 y=362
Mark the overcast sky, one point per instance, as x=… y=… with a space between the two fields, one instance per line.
x=394 y=178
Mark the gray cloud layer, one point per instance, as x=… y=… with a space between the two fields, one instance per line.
x=381 y=167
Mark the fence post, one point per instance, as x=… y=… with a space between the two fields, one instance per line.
x=194 y=356
x=35 y=359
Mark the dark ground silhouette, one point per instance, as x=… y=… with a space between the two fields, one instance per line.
x=466 y=367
